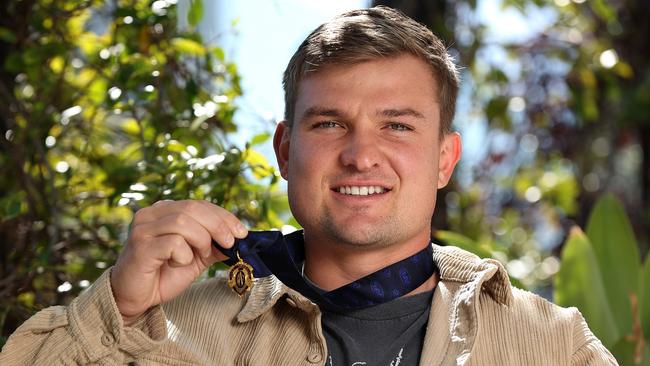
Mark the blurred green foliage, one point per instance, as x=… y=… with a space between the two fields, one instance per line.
x=105 y=108
x=603 y=276
x=563 y=102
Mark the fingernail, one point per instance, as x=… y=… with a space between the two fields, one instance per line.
x=241 y=229
x=229 y=240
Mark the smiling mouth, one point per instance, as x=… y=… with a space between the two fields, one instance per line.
x=361 y=190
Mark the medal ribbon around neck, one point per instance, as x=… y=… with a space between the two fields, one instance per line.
x=271 y=252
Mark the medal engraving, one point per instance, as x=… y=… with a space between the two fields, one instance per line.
x=240 y=277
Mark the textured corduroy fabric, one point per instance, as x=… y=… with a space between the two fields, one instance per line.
x=476 y=318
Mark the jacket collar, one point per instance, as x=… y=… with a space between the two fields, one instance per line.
x=461 y=266
x=455 y=265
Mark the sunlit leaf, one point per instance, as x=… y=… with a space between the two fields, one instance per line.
x=57 y=63
x=188 y=46
x=604 y=10
x=259 y=139
x=195 y=14
x=616 y=251
x=219 y=53
x=75 y=25
x=624 y=70
x=27 y=299
x=176 y=146
x=89 y=43
x=579 y=283
x=131 y=126
x=258 y=163
x=97 y=90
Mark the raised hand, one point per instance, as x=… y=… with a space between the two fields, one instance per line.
x=169 y=246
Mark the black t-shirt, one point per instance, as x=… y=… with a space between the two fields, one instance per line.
x=389 y=334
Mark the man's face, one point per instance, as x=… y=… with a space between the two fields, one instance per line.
x=363 y=159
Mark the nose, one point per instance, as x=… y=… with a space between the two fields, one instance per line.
x=361 y=151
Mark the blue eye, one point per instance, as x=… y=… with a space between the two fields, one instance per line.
x=399 y=127
x=326 y=124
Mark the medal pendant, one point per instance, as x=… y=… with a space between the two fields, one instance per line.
x=240 y=277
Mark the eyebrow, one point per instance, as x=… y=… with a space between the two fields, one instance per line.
x=408 y=112
x=321 y=112
x=316 y=111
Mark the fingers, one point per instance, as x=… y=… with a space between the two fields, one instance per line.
x=173 y=248
x=181 y=225
x=222 y=225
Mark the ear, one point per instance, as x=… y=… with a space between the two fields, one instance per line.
x=450 y=151
x=281 y=141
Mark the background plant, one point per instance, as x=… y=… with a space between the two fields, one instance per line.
x=105 y=108
x=602 y=274
x=565 y=114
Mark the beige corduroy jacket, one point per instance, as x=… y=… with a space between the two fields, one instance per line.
x=476 y=318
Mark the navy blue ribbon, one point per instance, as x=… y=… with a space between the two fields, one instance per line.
x=271 y=252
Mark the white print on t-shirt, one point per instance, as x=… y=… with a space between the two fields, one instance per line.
x=394 y=362
x=398 y=359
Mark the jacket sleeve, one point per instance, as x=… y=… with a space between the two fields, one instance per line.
x=89 y=330
x=588 y=349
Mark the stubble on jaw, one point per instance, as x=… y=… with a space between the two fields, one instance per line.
x=378 y=236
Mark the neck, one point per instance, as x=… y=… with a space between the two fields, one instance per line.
x=331 y=266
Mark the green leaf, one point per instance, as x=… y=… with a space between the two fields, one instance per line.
x=579 y=283
x=7 y=36
x=616 y=251
x=131 y=126
x=497 y=76
x=195 y=14
x=462 y=242
x=644 y=297
x=603 y=9
x=496 y=112
x=258 y=139
x=13 y=62
x=26 y=298
x=97 y=90
x=188 y=46
x=11 y=206
x=176 y=146
x=219 y=53
x=625 y=351
x=259 y=165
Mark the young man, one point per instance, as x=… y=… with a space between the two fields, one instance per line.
x=365 y=144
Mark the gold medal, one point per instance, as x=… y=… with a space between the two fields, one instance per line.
x=240 y=277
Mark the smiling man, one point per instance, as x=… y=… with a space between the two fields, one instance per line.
x=364 y=154
x=365 y=145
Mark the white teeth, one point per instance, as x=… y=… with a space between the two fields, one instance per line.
x=361 y=190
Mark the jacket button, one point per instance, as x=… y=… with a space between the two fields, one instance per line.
x=314 y=357
x=107 y=339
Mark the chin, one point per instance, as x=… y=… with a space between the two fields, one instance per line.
x=362 y=238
